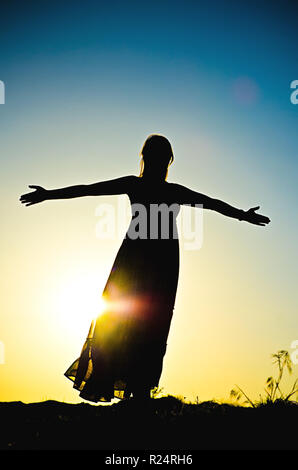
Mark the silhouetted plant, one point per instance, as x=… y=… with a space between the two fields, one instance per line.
x=155 y=392
x=237 y=395
x=272 y=389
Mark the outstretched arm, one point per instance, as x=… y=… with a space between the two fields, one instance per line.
x=187 y=196
x=103 y=188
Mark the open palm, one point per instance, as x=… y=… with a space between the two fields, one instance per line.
x=252 y=217
x=34 y=197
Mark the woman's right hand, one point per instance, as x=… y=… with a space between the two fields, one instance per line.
x=39 y=195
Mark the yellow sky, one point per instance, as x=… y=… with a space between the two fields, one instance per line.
x=228 y=317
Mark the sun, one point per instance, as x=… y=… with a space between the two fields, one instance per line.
x=77 y=301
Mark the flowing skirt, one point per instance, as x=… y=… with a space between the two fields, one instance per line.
x=126 y=344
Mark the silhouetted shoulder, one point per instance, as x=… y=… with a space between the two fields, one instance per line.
x=122 y=185
x=180 y=192
x=131 y=182
x=187 y=196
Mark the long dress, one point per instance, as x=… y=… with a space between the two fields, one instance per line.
x=125 y=347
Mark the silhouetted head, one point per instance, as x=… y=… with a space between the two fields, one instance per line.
x=156 y=157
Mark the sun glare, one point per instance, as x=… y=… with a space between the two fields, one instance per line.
x=77 y=301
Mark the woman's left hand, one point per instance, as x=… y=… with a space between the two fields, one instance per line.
x=253 y=218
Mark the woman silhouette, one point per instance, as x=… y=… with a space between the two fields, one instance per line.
x=124 y=350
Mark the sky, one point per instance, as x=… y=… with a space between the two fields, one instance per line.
x=85 y=84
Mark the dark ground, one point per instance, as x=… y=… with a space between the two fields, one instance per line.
x=166 y=423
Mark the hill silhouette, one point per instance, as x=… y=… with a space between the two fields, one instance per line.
x=165 y=423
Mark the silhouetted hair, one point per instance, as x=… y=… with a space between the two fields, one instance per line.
x=157 y=151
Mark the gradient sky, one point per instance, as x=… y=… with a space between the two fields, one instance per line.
x=86 y=83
